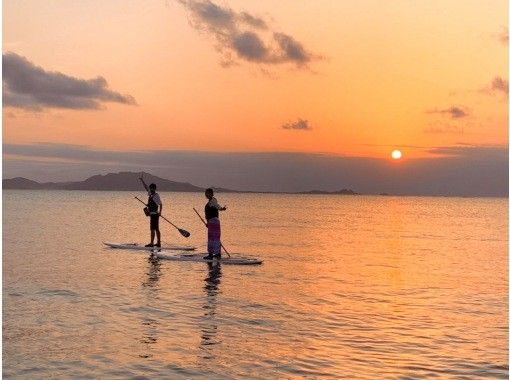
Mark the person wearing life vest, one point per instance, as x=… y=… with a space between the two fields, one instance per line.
x=155 y=207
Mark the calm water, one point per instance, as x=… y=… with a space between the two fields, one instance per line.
x=351 y=287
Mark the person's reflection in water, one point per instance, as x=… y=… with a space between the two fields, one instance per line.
x=210 y=327
x=149 y=325
x=153 y=274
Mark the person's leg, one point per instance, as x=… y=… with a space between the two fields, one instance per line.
x=156 y=230
x=215 y=237
x=217 y=246
x=210 y=243
x=154 y=227
x=217 y=249
x=151 y=244
x=158 y=235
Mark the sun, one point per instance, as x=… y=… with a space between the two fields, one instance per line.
x=396 y=154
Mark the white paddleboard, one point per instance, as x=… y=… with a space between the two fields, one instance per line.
x=234 y=260
x=193 y=257
x=141 y=247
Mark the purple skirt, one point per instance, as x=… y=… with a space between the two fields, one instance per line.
x=213 y=236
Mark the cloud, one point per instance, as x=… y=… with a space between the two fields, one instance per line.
x=259 y=23
x=454 y=112
x=472 y=151
x=249 y=46
x=300 y=124
x=500 y=84
x=497 y=86
x=243 y=36
x=30 y=87
x=454 y=129
x=462 y=170
x=291 y=50
x=210 y=15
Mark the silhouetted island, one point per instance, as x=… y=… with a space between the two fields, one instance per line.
x=339 y=192
x=123 y=181
x=128 y=181
x=21 y=183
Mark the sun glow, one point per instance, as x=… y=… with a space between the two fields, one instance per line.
x=396 y=154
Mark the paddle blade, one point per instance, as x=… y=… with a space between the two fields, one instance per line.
x=184 y=233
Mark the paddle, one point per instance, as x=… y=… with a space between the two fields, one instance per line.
x=205 y=224
x=182 y=232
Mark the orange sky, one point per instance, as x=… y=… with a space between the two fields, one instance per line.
x=388 y=76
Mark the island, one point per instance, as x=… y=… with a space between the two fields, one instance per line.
x=129 y=181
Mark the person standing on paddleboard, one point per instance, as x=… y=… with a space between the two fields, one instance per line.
x=212 y=209
x=155 y=207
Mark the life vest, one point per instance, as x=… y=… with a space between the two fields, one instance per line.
x=151 y=205
x=210 y=212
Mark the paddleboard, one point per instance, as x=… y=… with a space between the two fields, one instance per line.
x=193 y=257
x=234 y=260
x=141 y=247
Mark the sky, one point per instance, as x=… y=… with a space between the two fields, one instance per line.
x=260 y=95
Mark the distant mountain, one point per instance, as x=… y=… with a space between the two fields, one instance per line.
x=129 y=181
x=339 y=192
x=21 y=183
x=123 y=181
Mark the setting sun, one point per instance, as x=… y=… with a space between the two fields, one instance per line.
x=396 y=154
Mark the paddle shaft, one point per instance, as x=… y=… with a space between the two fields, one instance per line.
x=200 y=216
x=205 y=224
x=159 y=215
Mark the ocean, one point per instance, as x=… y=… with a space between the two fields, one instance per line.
x=357 y=287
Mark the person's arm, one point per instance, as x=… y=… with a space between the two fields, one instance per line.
x=143 y=183
x=224 y=208
x=159 y=203
x=214 y=203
